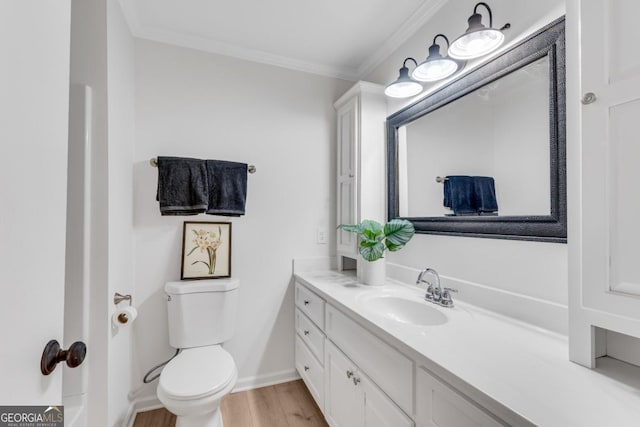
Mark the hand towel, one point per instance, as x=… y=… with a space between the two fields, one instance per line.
x=485 y=194
x=182 y=186
x=459 y=194
x=227 y=187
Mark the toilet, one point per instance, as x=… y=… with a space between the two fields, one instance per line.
x=201 y=318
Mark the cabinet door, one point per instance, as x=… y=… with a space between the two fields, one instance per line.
x=610 y=153
x=438 y=405
x=346 y=174
x=379 y=410
x=344 y=396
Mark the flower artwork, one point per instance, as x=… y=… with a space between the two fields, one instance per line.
x=206 y=250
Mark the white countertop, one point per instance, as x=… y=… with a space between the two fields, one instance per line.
x=522 y=367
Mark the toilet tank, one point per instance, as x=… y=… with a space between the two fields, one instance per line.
x=201 y=312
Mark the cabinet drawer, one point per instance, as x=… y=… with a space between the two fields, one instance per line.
x=388 y=368
x=311 y=371
x=311 y=335
x=438 y=405
x=310 y=304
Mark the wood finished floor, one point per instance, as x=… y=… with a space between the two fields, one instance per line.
x=282 y=405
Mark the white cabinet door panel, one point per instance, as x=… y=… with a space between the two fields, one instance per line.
x=379 y=410
x=344 y=399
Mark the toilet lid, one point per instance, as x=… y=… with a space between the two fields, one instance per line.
x=197 y=372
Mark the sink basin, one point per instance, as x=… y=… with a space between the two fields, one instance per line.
x=403 y=310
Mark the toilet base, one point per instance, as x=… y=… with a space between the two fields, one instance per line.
x=210 y=419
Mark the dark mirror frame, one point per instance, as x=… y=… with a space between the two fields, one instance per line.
x=548 y=41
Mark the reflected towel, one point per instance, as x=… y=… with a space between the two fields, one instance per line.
x=485 y=194
x=227 y=187
x=182 y=186
x=459 y=194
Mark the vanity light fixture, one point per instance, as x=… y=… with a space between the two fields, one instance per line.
x=404 y=86
x=436 y=66
x=478 y=40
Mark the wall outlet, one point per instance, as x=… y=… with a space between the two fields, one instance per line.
x=323 y=236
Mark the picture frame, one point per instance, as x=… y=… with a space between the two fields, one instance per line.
x=206 y=250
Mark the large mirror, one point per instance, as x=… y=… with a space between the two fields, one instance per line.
x=484 y=156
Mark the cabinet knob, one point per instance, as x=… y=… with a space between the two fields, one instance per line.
x=306 y=332
x=351 y=175
x=589 y=98
x=356 y=380
x=349 y=373
x=306 y=368
x=306 y=302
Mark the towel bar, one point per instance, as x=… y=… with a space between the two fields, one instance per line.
x=441 y=179
x=154 y=162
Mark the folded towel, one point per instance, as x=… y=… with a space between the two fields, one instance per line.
x=227 y=187
x=459 y=194
x=485 y=194
x=182 y=186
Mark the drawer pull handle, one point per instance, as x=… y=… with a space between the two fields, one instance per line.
x=349 y=374
x=356 y=380
x=306 y=302
x=306 y=368
x=306 y=332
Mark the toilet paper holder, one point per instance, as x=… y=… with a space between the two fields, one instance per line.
x=118 y=298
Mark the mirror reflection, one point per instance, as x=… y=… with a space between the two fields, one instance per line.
x=485 y=154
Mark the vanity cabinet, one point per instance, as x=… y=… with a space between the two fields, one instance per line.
x=360 y=380
x=361 y=114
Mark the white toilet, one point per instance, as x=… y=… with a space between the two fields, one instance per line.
x=201 y=318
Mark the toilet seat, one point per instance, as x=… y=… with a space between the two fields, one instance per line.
x=197 y=373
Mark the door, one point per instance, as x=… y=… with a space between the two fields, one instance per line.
x=344 y=399
x=610 y=70
x=379 y=410
x=34 y=95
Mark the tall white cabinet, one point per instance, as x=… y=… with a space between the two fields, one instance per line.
x=604 y=171
x=361 y=114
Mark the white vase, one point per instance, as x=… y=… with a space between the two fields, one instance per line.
x=372 y=273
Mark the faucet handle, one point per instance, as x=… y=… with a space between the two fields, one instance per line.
x=446 y=300
x=434 y=294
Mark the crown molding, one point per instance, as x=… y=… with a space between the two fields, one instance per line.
x=400 y=36
x=408 y=28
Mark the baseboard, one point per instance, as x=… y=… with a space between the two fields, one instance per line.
x=149 y=403
x=143 y=404
x=249 y=383
x=535 y=311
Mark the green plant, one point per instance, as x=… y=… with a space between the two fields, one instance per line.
x=374 y=238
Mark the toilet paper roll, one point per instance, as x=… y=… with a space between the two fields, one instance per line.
x=124 y=316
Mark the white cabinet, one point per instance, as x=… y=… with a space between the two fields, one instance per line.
x=353 y=400
x=310 y=340
x=361 y=114
x=604 y=232
x=438 y=405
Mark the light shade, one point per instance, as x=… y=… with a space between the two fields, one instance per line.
x=404 y=86
x=436 y=66
x=478 y=40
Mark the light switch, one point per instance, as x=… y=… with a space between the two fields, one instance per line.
x=322 y=236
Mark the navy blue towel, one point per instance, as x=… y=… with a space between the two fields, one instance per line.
x=227 y=187
x=459 y=194
x=182 y=186
x=485 y=194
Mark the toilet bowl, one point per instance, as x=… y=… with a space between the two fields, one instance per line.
x=193 y=384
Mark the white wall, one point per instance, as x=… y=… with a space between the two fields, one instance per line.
x=190 y=103
x=121 y=133
x=34 y=97
x=528 y=272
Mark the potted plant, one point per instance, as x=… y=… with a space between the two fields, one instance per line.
x=374 y=240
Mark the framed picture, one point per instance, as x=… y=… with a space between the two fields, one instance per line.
x=206 y=250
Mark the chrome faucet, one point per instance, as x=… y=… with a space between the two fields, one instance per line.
x=436 y=294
